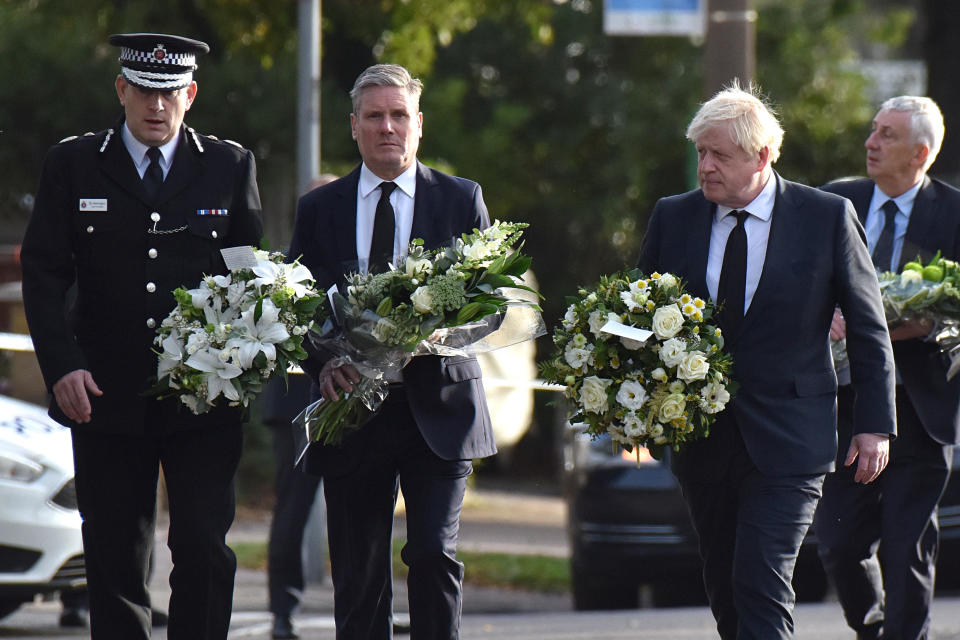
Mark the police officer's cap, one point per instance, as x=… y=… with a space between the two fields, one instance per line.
x=157 y=60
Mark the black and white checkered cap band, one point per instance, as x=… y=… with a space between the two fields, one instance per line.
x=153 y=80
x=159 y=55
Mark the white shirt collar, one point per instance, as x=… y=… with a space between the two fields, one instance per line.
x=138 y=150
x=406 y=181
x=904 y=201
x=761 y=206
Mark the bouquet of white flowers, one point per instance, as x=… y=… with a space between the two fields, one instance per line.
x=228 y=336
x=641 y=362
x=444 y=301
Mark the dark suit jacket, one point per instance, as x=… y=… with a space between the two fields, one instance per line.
x=934 y=225
x=816 y=260
x=445 y=393
x=114 y=263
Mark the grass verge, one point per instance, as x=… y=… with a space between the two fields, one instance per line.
x=506 y=570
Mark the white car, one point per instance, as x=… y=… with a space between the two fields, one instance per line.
x=41 y=551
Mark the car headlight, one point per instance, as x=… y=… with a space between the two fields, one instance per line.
x=19 y=469
x=602 y=452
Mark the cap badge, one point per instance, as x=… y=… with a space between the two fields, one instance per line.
x=160 y=52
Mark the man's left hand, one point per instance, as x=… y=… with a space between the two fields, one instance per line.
x=873 y=452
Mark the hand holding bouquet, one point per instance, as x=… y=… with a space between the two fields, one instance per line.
x=663 y=391
x=442 y=301
x=228 y=336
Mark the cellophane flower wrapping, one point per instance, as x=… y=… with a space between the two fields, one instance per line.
x=228 y=336
x=453 y=300
x=922 y=292
x=660 y=393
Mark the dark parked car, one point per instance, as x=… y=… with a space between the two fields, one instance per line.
x=632 y=542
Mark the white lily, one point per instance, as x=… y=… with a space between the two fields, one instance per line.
x=283 y=274
x=172 y=354
x=219 y=373
x=258 y=336
x=208 y=287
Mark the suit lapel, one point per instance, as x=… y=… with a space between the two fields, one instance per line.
x=345 y=220
x=423 y=209
x=186 y=168
x=919 y=227
x=700 y=248
x=778 y=246
x=117 y=165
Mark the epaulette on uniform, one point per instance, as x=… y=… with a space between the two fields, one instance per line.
x=89 y=134
x=196 y=138
x=72 y=138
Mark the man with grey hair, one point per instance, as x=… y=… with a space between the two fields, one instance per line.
x=435 y=418
x=879 y=542
x=778 y=257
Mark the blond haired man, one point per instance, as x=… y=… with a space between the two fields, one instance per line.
x=778 y=257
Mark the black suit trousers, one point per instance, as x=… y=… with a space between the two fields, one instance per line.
x=389 y=452
x=750 y=527
x=295 y=493
x=116 y=478
x=878 y=542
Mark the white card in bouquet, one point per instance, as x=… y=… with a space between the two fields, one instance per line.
x=239 y=257
x=625 y=331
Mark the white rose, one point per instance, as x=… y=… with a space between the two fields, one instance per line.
x=422 y=303
x=476 y=250
x=672 y=407
x=659 y=375
x=655 y=431
x=418 y=267
x=631 y=344
x=577 y=357
x=666 y=281
x=910 y=276
x=693 y=367
x=673 y=351
x=631 y=394
x=667 y=321
x=596 y=319
x=593 y=394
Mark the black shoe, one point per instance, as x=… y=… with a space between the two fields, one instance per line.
x=158 y=618
x=283 y=628
x=75 y=618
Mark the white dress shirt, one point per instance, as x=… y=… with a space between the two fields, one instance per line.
x=876 y=219
x=368 y=194
x=138 y=152
x=757 y=227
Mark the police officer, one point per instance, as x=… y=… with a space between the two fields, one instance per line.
x=127 y=215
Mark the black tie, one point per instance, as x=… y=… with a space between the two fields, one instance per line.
x=381 y=245
x=153 y=176
x=731 y=291
x=883 y=252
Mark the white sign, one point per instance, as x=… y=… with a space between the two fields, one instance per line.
x=655 y=17
x=239 y=257
x=625 y=331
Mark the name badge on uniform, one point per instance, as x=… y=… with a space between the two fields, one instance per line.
x=93 y=204
x=213 y=212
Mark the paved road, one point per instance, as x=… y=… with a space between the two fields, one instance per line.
x=492 y=520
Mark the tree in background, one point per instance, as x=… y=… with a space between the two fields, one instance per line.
x=570 y=130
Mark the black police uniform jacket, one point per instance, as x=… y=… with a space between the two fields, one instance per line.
x=93 y=226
